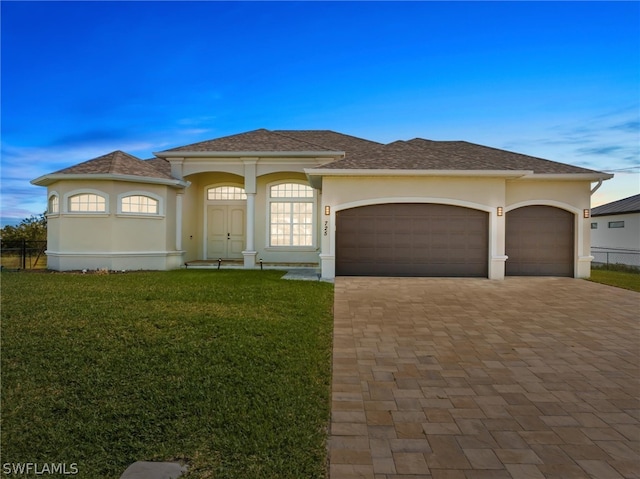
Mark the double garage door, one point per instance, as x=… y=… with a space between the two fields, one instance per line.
x=425 y=239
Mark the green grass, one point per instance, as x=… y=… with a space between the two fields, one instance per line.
x=621 y=279
x=227 y=371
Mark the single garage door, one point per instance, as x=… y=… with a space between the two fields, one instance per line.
x=412 y=239
x=539 y=241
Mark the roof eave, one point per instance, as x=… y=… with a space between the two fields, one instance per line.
x=249 y=154
x=315 y=172
x=595 y=176
x=49 y=179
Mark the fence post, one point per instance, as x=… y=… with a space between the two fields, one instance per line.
x=24 y=254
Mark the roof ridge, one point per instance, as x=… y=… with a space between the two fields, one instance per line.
x=117 y=159
x=279 y=132
x=333 y=132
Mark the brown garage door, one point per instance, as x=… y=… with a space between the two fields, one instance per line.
x=411 y=239
x=539 y=242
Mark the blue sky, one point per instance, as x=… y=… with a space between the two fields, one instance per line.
x=81 y=79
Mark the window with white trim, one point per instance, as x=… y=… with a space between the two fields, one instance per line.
x=140 y=204
x=54 y=205
x=291 y=215
x=87 y=203
x=228 y=193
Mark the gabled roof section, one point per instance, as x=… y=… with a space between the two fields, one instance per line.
x=330 y=139
x=116 y=164
x=620 y=207
x=421 y=154
x=256 y=140
x=504 y=159
x=161 y=165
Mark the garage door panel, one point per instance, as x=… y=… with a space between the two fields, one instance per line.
x=539 y=241
x=412 y=240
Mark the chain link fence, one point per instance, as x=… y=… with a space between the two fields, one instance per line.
x=23 y=254
x=611 y=258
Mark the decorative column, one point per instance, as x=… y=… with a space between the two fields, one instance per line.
x=176 y=167
x=328 y=232
x=497 y=243
x=179 y=221
x=250 y=253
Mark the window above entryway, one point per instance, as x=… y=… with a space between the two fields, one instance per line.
x=226 y=193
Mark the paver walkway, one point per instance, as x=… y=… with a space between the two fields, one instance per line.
x=468 y=378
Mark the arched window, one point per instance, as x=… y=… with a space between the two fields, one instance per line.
x=139 y=204
x=87 y=203
x=228 y=193
x=291 y=215
x=54 y=205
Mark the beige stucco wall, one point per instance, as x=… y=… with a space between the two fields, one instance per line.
x=483 y=193
x=119 y=241
x=112 y=240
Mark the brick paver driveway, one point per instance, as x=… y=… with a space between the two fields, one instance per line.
x=470 y=378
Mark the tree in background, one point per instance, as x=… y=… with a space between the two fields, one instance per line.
x=32 y=228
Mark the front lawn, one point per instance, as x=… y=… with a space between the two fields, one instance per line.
x=621 y=279
x=227 y=371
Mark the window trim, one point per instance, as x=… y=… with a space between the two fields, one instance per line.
x=314 y=218
x=53 y=195
x=148 y=194
x=616 y=224
x=86 y=191
x=222 y=185
x=594 y=226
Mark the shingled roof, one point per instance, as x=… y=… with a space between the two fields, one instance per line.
x=262 y=140
x=416 y=154
x=353 y=154
x=421 y=154
x=620 y=207
x=117 y=163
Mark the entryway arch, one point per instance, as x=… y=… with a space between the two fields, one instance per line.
x=225 y=221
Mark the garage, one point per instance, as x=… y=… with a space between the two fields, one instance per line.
x=539 y=241
x=412 y=239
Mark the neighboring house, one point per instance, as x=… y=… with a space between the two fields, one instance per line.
x=350 y=205
x=615 y=232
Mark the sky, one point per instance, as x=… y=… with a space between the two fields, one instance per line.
x=557 y=80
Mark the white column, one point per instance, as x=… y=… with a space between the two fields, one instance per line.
x=328 y=232
x=250 y=189
x=179 y=221
x=497 y=257
x=251 y=221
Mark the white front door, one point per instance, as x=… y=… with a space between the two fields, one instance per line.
x=225 y=231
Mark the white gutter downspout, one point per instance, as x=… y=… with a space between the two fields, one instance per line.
x=595 y=188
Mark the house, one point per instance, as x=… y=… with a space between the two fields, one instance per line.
x=349 y=205
x=615 y=232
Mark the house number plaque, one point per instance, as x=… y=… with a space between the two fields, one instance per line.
x=326 y=228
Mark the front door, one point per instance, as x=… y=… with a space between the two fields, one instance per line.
x=225 y=231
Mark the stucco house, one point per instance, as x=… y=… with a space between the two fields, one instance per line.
x=349 y=205
x=615 y=232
